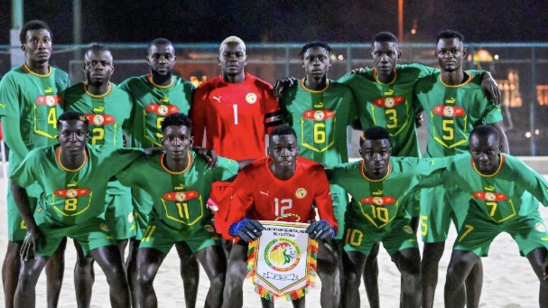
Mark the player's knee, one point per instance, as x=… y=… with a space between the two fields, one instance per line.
x=218 y=281
x=351 y=280
x=236 y=273
x=84 y=263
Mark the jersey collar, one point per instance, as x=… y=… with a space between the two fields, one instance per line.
x=58 y=159
x=190 y=161
x=379 y=180
x=501 y=164
x=380 y=82
x=315 y=91
x=149 y=79
x=456 y=85
x=98 y=95
x=27 y=68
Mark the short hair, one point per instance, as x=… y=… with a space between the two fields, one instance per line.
x=385 y=36
x=232 y=39
x=160 y=41
x=375 y=133
x=71 y=115
x=449 y=34
x=283 y=129
x=314 y=44
x=97 y=47
x=32 y=25
x=485 y=131
x=177 y=119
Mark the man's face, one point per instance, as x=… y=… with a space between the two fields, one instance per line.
x=485 y=151
x=37 y=46
x=73 y=136
x=232 y=58
x=98 y=67
x=283 y=150
x=177 y=141
x=161 y=59
x=316 y=62
x=385 y=57
x=376 y=155
x=450 y=53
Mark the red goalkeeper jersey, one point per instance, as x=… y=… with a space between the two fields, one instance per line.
x=235 y=117
x=259 y=195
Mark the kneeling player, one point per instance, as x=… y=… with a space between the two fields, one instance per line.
x=258 y=189
x=378 y=184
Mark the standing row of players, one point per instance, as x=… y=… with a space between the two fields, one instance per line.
x=236 y=111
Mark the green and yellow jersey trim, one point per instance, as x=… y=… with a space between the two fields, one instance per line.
x=501 y=164
x=58 y=159
x=190 y=161
x=98 y=95
x=456 y=85
x=149 y=79
x=28 y=70
x=315 y=91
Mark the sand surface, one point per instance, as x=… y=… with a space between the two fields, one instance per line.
x=509 y=280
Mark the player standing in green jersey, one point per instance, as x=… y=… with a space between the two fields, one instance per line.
x=377 y=185
x=73 y=177
x=505 y=194
x=179 y=183
x=29 y=107
x=108 y=110
x=454 y=104
x=154 y=97
x=319 y=110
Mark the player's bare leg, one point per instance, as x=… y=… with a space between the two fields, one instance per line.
x=539 y=260
x=190 y=273
x=148 y=263
x=328 y=271
x=25 y=294
x=10 y=272
x=110 y=261
x=299 y=303
x=55 y=268
x=461 y=264
x=474 y=284
x=431 y=256
x=84 y=277
x=213 y=260
x=408 y=262
x=131 y=271
x=370 y=277
x=353 y=264
x=235 y=275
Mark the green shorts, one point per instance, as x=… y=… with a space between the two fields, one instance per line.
x=479 y=231
x=142 y=205
x=90 y=235
x=16 y=226
x=119 y=214
x=158 y=237
x=412 y=203
x=340 y=201
x=396 y=236
x=437 y=209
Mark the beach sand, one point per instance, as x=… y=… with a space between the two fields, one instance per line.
x=509 y=280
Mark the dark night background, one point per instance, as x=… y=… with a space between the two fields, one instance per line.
x=285 y=20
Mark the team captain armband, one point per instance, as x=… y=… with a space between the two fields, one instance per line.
x=273 y=119
x=449 y=111
x=163 y=110
x=389 y=102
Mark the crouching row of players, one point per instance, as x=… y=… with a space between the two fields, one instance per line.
x=498 y=192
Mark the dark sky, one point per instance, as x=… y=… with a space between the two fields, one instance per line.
x=285 y=20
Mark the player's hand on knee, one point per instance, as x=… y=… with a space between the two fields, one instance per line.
x=284 y=84
x=28 y=249
x=209 y=155
x=247 y=229
x=320 y=230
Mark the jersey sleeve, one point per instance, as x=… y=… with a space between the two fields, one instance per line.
x=10 y=116
x=198 y=114
x=494 y=114
x=431 y=171
x=424 y=70
x=118 y=159
x=127 y=176
x=322 y=198
x=242 y=200
x=25 y=174
x=271 y=108
x=225 y=170
x=533 y=182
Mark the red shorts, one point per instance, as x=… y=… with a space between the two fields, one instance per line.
x=219 y=204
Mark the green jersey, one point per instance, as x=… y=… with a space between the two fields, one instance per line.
x=390 y=105
x=377 y=202
x=320 y=119
x=508 y=193
x=34 y=100
x=72 y=196
x=453 y=111
x=152 y=103
x=108 y=114
x=179 y=198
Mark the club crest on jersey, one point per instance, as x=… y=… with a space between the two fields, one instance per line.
x=162 y=110
x=389 y=102
x=251 y=98
x=378 y=201
x=489 y=196
x=100 y=119
x=72 y=193
x=449 y=111
x=49 y=100
x=180 y=196
x=318 y=115
x=300 y=193
x=540 y=227
x=130 y=217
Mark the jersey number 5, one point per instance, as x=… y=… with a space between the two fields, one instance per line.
x=447 y=127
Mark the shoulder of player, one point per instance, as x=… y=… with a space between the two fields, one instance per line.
x=363 y=76
x=208 y=86
x=186 y=84
x=308 y=165
x=76 y=89
x=133 y=82
x=117 y=91
x=59 y=73
x=258 y=82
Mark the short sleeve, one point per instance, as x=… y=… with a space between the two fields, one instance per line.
x=225 y=170
x=25 y=174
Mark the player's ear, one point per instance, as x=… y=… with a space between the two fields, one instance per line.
x=191 y=140
x=23 y=48
x=399 y=54
x=464 y=52
x=219 y=60
x=371 y=55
